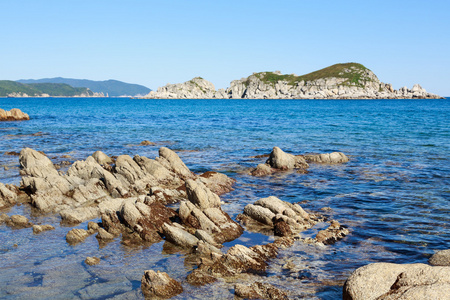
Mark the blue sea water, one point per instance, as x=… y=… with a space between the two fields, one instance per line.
x=393 y=194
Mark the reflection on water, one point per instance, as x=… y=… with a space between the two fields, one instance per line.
x=393 y=194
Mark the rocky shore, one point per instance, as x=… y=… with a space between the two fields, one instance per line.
x=341 y=81
x=14 y=114
x=133 y=198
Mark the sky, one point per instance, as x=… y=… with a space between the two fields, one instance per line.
x=158 y=42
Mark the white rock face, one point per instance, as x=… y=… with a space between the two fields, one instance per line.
x=363 y=85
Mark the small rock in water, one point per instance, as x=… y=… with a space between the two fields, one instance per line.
x=76 y=235
x=40 y=228
x=20 y=221
x=259 y=290
x=159 y=284
x=147 y=143
x=92 y=261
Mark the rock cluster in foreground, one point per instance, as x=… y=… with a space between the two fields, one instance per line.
x=340 y=81
x=14 y=114
x=398 y=281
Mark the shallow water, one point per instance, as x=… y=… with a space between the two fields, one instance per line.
x=393 y=194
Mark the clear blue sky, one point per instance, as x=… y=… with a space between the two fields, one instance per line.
x=157 y=42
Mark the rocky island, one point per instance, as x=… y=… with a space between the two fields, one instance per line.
x=14 y=114
x=339 y=81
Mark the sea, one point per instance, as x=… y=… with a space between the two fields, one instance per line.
x=393 y=195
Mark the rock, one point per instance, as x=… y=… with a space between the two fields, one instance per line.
x=218 y=183
x=79 y=215
x=262 y=170
x=4 y=218
x=76 y=235
x=179 y=236
x=36 y=164
x=159 y=284
x=201 y=196
x=259 y=290
x=172 y=162
x=104 y=235
x=279 y=159
x=102 y=158
x=40 y=228
x=91 y=261
x=332 y=234
x=20 y=221
x=147 y=143
x=282 y=229
x=14 y=114
x=7 y=196
x=396 y=281
x=327 y=158
x=440 y=258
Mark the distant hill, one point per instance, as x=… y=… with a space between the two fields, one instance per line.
x=17 y=89
x=113 y=88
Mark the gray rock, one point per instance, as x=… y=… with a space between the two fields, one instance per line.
x=7 y=196
x=20 y=221
x=102 y=158
x=259 y=290
x=104 y=235
x=172 y=162
x=159 y=285
x=396 y=281
x=179 y=236
x=327 y=158
x=279 y=159
x=440 y=258
x=200 y=195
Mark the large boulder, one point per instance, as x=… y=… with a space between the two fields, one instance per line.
x=159 y=285
x=397 y=281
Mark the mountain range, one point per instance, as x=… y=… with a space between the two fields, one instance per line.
x=112 y=88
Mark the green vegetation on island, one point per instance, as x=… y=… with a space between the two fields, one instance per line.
x=13 y=88
x=350 y=71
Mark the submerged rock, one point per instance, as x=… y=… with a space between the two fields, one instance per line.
x=14 y=114
x=259 y=290
x=159 y=285
x=397 y=281
x=327 y=158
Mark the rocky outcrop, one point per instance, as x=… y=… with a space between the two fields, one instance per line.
x=196 y=88
x=14 y=114
x=280 y=160
x=287 y=219
x=440 y=258
x=396 y=281
x=41 y=228
x=99 y=183
x=157 y=285
x=259 y=290
x=340 y=81
x=8 y=195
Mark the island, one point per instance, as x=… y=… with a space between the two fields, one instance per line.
x=339 y=81
x=13 y=89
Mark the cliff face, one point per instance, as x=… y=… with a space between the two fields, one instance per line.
x=341 y=81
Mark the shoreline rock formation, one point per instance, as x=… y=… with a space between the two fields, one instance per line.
x=340 y=81
x=14 y=114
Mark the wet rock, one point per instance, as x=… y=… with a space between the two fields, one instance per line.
x=203 y=211
x=440 y=258
x=20 y=221
x=104 y=235
x=327 y=158
x=40 y=228
x=76 y=235
x=279 y=159
x=91 y=261
x=4 y=218
x=238 y=259
x=159 y=284
x=8 y=196
x=147 y=143
x=332 y=234
x=259 y=290
x=271 y=210
x=14 y=114
x=262 y=170
x=282 y=229
x=179 y=236
x=397 y=281
x=101 y=158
